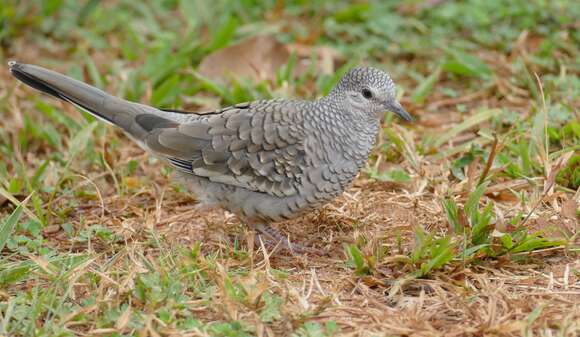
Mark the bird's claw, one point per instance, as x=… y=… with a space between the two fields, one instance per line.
x=276 y=238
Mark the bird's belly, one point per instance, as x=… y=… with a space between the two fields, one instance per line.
x=256 y=207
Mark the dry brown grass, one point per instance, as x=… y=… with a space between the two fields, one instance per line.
x=491 y=298
x=158 y=227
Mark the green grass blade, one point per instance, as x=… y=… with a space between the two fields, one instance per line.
x=80 y=140
x=10 y=223
x=15 y=201
x=425 y=88
x=452 y=212
x=472 y=204
x=472 y=121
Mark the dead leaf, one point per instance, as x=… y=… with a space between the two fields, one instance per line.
x=255 y=286
x=462 y=217
x=123 y=319
x=326 y=58
x=569 y=209
x=371 y=281
x=471 y=174
x=132 y=182
x=51 y=229
x=259 y=58
x=506 y=196
x=553 y=171
x=500 y=223
x=103 y=331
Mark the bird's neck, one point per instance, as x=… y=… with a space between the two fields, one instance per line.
x=342 y=131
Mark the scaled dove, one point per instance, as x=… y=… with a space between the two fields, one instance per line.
x=267 y=160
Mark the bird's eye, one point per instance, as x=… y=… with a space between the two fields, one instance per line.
x=367 y=93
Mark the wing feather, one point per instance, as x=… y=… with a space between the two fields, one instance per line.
x=252 y=146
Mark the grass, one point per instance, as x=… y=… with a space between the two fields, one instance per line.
x=464 y=223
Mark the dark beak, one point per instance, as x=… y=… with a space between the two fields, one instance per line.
x=398 y=109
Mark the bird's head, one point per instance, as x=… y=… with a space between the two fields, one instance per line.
x=369 y=91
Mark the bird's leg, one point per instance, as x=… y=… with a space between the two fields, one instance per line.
x=276 y=237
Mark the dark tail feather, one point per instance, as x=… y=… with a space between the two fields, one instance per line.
x=83 y=95
x=136 y=119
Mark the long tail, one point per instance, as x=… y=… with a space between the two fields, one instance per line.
x=136 y=119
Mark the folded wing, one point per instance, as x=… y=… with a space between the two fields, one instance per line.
x=257 y=146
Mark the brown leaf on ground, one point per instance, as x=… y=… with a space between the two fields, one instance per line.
x=569 y=209
x=259 y=58
x=326 y=58
x=553 y=171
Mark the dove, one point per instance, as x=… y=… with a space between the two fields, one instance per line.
x=265 y=161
